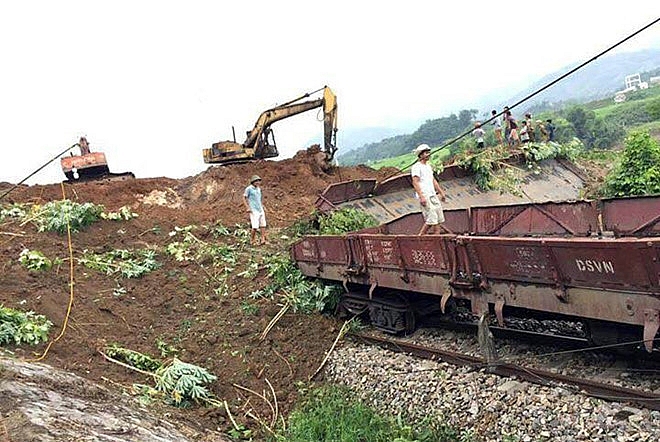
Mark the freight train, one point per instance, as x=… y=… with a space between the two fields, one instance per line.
x=585 y=270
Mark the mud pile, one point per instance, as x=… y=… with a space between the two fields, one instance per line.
x=179 y=303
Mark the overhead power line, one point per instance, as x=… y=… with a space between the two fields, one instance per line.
x=541 y=89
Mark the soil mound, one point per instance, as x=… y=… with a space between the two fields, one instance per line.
x=182 y=303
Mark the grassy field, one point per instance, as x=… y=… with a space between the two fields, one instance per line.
x=609 y=109
x=404 y=162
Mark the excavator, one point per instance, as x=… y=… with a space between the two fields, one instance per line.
x=89 y=166
x=260 y=141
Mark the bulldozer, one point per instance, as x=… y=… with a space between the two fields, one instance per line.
x=260 y=141
x=89 y=166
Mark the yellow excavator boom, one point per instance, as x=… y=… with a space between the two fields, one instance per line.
x=260 y=142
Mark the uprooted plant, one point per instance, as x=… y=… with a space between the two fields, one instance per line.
x=55 y=216
x=34 y=260
x=301 y=293
x=178 y=383
x=20 y=327
x=189 y=247
x=124 y=213
x=127 y=263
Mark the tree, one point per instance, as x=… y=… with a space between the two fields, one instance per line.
x=639 y=171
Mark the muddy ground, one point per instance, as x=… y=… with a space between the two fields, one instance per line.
x=177 y=304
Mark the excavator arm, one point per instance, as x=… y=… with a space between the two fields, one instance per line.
x=260 y=142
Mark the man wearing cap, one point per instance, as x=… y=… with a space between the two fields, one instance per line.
x=427 y=189
x=252 y=200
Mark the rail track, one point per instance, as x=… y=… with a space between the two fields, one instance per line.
x=608 y=392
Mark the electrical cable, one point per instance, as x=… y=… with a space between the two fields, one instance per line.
x=538 y=91
x=71 y=284
x=36 y=171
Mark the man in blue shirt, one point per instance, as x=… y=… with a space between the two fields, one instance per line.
x=252 y=200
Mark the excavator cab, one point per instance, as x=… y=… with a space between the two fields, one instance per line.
x=89 y=166
x=260 y=141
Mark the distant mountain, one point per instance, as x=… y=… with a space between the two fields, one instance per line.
x=352 y=138
x=599 y=79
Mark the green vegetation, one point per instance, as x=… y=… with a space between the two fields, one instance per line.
x=639 y=170
x=492 y=172
x=191 y=248
x=304 y=295
x=16 y=210
x=22 y=327
x=54 y=216
x=132 y=358
x=334 y=414
x=34 y=260
x=123 y=214
x=184 y=383
x=345 y=220
x=127 y=263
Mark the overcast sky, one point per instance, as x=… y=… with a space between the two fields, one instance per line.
x=151 y=83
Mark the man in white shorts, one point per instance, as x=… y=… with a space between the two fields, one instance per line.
x=252 y=200
x=427 y=189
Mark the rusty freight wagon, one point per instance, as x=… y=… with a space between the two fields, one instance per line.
x=583 y=270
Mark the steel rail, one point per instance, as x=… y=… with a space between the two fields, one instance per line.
x=608 y=392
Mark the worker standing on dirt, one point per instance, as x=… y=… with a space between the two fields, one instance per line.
x=427 y=189
x=252 y=200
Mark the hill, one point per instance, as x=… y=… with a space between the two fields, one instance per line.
x=595 y=81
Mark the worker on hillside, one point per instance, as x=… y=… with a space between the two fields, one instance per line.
x=551 y=130
x=254 y=206
x=544 y=132
x=427 y=189
x=530 y=127
x=84 y=146
x=479 y=134
x=497 y=127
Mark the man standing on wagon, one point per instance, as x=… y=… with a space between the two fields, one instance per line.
x=427 y=189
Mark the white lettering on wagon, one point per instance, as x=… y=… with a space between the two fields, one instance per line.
x=424 y=258
x=588 y=265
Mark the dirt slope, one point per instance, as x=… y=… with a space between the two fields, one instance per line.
x=177 y=304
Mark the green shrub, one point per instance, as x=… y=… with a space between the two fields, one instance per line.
x=639 y=170
x=22 y=327
x=345 y=220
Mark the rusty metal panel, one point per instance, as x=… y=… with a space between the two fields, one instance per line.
x=513 y=259
x=345 y=191
x=426 y=253
x=394 y=184
x=571 y=218
x=380 y=251
x=632 y=216
x=625 y=263
x=321 y=249
x=613 y=263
